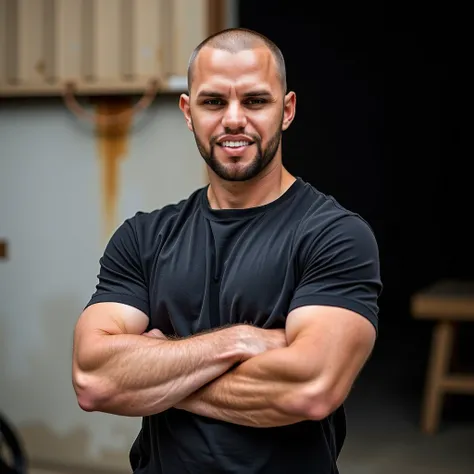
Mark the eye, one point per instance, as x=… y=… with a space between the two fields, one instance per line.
x=256 y=101
x=213 y=102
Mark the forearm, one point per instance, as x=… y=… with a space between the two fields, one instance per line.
x=307 y=380
x=134 y=375
x=264 y=391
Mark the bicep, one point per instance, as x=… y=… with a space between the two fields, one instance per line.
x=120 y=303
x=333 y=315
x=340 y=268
x=111 y=319
x=104 y=319
x=333 y=342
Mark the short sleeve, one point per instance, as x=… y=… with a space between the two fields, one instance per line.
x=340 y=267
x=121 y=278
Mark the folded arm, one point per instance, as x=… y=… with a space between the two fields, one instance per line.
x=118 y=370
x=309 y=379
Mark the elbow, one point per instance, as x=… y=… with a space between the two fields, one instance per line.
x=315 y=401
x=321 y=408
x=91 y=392
x=321 y=401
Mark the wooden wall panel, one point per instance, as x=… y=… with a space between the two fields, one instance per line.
x=103 y=46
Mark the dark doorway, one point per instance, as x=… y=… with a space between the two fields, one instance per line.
x=381 y=125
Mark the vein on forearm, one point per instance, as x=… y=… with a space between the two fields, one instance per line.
x=254 y=393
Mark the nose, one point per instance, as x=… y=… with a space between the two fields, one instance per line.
x=234 y=116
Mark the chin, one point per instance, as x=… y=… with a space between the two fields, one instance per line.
x=237 y=172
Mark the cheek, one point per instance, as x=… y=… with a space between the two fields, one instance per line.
x=267 y=126
x=206 y=126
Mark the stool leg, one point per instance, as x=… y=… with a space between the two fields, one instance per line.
x=441 y=348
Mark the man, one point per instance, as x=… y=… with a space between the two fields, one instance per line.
x=235 y=321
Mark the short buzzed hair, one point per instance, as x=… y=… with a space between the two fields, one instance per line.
x=235 y=40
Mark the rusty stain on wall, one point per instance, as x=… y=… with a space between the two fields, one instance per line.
x=114 y=116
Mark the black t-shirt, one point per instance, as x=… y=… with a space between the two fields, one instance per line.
x=191 y=268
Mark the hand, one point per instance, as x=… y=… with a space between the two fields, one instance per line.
x=256 y=340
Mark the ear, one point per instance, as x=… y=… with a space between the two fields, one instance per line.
x=184 y=106
x=289 y=110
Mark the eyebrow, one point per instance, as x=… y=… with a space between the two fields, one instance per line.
x=218 y=95
x=258 y=93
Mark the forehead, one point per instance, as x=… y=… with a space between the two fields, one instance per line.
x=219 y=68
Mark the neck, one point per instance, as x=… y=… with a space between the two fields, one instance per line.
x=261 y=190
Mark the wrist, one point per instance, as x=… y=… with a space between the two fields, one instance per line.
x=245 y=342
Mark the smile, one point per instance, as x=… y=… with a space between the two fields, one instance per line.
x=229 y=144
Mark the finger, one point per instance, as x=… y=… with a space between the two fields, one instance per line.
x=154 y=333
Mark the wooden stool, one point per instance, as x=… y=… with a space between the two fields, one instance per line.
x=447 y=302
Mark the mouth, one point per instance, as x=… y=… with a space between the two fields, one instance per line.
x=235 y=148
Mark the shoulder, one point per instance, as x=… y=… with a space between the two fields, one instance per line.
x=326 y=223
x=338 y=259
x=146 y=227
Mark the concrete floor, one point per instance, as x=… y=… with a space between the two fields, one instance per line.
x=384 y=410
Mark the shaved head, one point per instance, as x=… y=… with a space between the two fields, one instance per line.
x=235 y=40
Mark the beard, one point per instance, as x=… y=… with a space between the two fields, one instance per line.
x=260 y=161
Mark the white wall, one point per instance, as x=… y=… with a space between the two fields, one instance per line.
x=50 y=213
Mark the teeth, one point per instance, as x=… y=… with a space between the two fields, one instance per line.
x=235 y=144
